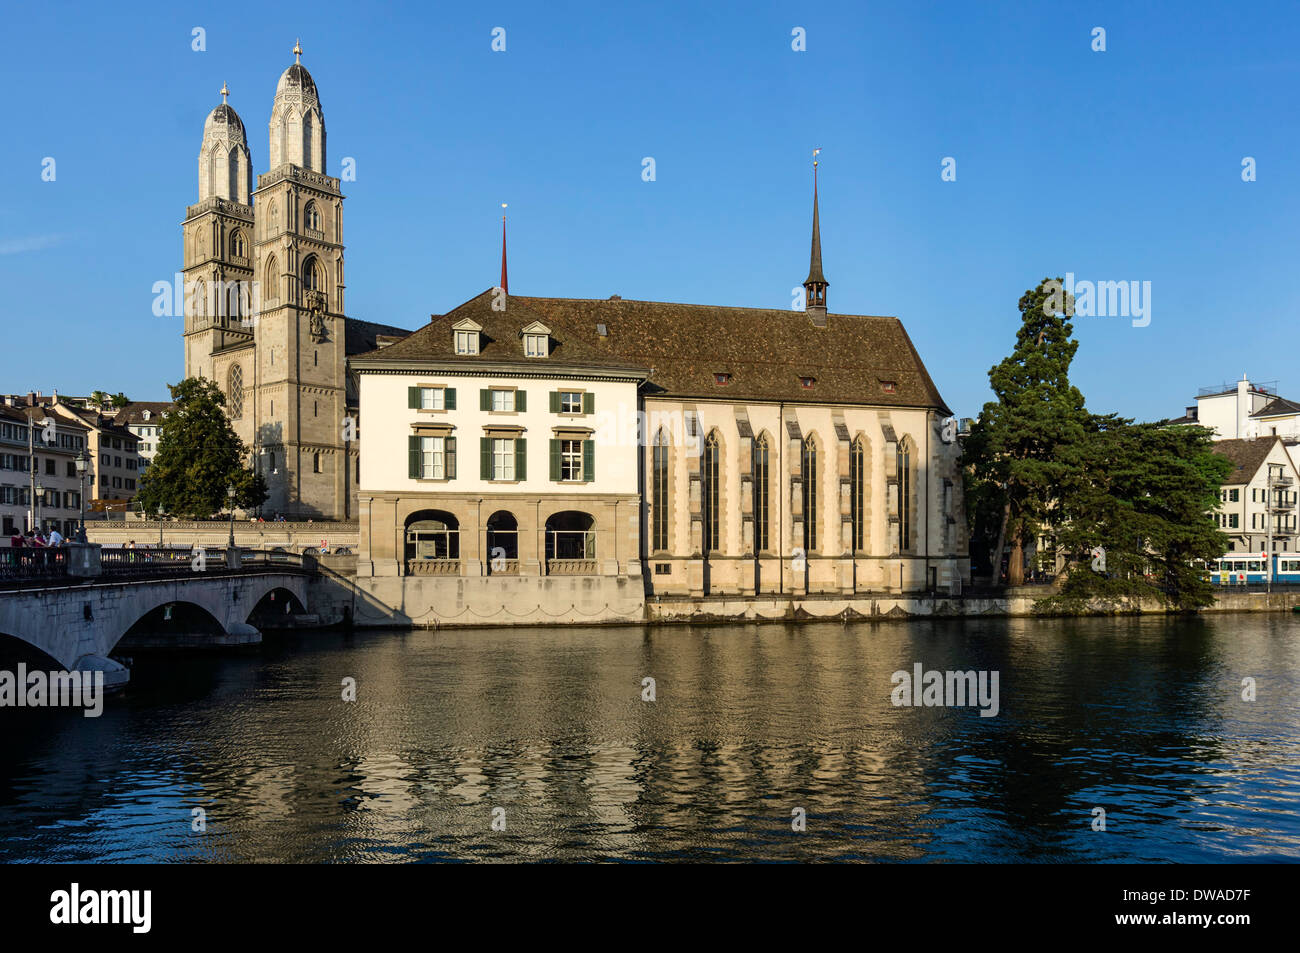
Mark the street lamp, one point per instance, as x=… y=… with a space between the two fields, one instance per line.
x=160 y=539
x=40 y=497
x=230 y=494
x=83 y=465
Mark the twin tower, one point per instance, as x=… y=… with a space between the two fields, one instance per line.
x=264 y=314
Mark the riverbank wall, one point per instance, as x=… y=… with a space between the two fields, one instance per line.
x=337 y=595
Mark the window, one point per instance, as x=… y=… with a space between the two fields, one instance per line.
x=503 y=401
x=722 y=379
x=659 y=494
x=570 y=402
x=466 y=342
x=536 y=345
x=857 y=493
x=809 y=495
x=762 y=539
x=270 y=462
x=570 y=460
x=49 y=466
x=807 y=381
x=904 y=496
x=709 y=473
x=888 y=387
x=311 y=217
x=1234 y=496
x=72 y=469
x=315 y=463
x=433 y=398
x=311 y=275
x=117 y=461
x=503 y=459
x=130 y=484
x=663 y=569
x=237 y=244
x=429 y=458
x=235 y=391
x=1232 y=520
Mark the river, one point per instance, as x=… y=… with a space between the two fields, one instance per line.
x=538 y=744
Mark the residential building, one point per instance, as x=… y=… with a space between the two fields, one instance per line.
x=38 y=451
x=144 y=419
x=1246 y=410
x=1260 y=493
x=115 y=450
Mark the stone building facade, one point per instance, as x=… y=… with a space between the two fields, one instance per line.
x=264 y=301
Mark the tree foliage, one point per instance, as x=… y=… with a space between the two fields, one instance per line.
x=199 y=456
x=1020 y=451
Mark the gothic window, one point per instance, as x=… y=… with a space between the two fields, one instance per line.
x=905 y=528
x=659 y=497
x=235 y=392
x=857 y=493
x=762 y=537
x=311 y=277
x=271 y=278
x=809 y=471
x=237 y=246
x=311 y=217
x=711 y=461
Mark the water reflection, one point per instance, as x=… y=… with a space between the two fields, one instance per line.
x=1141 y=717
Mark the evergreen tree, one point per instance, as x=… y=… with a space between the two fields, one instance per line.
x=1145 y=496
x=199 y=456
x=1021 y=453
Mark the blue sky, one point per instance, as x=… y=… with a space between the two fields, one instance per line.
x=1122 y=165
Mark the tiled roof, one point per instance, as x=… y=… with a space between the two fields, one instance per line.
x=1247 y=457
x=359 y=336
x=1277 y=407
x=132 y=413
x=766 y=352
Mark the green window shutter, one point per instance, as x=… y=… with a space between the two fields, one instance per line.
x=484 y=458
x=449 y=466
x=521 y=459
x=485 y=399
x=521 y=400
x=588 y=460
x=450 y=398
x=555 y=461
x=588 y=403
x=413 y=398
x=555 y=401
x=413 y=446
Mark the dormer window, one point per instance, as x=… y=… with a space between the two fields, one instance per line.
x=537 y=340
x=467 y=335
x=722 y=379
x=807 y=381
x=466 y=342
x=888 y=387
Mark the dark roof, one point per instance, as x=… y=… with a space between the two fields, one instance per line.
x=359 y=336
x=682 y=346
x=1247 y=456
x=1277 y=407
x=101 y=422
x=297 y=75
x=815 y=260
x=131 y=413
x=25 y=414
x=224 y=113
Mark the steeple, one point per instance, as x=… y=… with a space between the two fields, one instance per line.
x=505 y=284
x=815 y=284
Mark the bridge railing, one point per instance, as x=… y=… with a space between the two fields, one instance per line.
x=21 y=564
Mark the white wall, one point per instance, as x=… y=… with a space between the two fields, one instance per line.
x=386 y=424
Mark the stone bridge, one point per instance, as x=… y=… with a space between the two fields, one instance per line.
x=79 y=625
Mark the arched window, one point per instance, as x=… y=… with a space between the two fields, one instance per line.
x=659 y=493
x=809 y=471
x=570 y=535
x=311 y=274
x=235 y=392
x=502 y=536
x=762 y=491
x=271 y=279
x=432 y=534
x=237 y=247
x=709 y=470
x=905 y=528
x=311 y=217
x=857 y=493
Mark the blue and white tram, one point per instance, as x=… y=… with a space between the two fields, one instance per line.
x=1239 y=569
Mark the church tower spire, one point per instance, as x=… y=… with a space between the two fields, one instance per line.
x=505 y=283
x=815 y=284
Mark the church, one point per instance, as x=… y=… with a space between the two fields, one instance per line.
x=265 y=316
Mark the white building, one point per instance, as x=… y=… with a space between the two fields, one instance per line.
x=1261 y=490
x=1245 y=411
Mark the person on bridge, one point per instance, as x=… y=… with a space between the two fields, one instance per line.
x=56 y=538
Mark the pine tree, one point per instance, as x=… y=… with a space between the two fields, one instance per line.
x=199 y=456
x=1022 y=451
